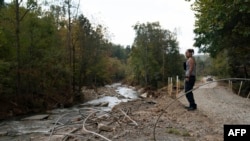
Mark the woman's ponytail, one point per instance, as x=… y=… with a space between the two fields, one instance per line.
x=191 y=51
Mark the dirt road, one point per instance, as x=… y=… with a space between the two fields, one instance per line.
x=221 y=105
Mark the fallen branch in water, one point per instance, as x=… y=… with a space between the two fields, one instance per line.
x=85 y=130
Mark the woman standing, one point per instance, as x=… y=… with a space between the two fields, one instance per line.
x=190 y=79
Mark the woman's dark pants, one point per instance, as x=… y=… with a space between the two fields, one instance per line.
x=190 y=96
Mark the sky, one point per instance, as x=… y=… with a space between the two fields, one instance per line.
x=120 y=15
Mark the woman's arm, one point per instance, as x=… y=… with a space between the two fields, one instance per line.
x=191 y=68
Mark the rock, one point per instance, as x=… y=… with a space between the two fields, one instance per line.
x=104 y=104
x=3 y=133
x=84 y=105
x=37 y=117
x=76 y=119
x=103 y=116
x=102 y=127
x=151 y=102
x=56 y=137
x=96 y=104
x=121 y=97
x=142 y=90
x=144 y=95
x=13 y=133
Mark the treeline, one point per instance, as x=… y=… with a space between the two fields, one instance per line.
x=48 y=52
x=54 y=54
x=222 y=29
x=154 y=56
x=46 y=56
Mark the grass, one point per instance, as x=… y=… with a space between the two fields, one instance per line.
x=178 y=132
x=174 y=131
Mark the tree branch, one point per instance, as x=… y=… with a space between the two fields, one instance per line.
x=85 y=130
x=55 y=125
x=129 y=117
x=24 y=14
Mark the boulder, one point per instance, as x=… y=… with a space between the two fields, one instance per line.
x=37 y=117
x=141 y=90
x=104 y=104
x=102 y=127
x=144 y=95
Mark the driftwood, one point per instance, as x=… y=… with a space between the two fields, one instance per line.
x=128 y=117
x=87 y=131
x=116 y=117
x=65 y=138
x=103 y=127
x=121 y=134
x=55 y=125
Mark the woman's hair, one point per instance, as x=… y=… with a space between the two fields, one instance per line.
x=191 y=51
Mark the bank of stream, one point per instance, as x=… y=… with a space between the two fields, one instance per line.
x=116 y=113
x=27 y=128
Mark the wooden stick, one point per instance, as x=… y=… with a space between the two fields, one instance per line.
x=168 y=86
x=171 y=86
x=72 y=135
x=66 y=136
x=128 y=117
x=240 y=88
x=85 y=130
x=231 y=85
x=248 y=95
x=177 y=87
x=55 y=125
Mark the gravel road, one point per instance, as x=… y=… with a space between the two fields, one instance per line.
x=221 y=104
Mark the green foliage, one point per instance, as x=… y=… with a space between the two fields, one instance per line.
x=176 y=131
x=53 y=57
x=220 y=65
x=222 y=29
x=223 y=25
x=7 y=78
x=45 y=70
x=204 y=65
x=120 y=52
x=116 y=69
x=96 y=57
x=154 y=55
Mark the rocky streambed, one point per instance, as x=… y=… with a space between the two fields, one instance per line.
x=41 y=125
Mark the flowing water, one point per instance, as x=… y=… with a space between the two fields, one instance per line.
x=22 y=129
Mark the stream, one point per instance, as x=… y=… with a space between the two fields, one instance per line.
x=30 y=126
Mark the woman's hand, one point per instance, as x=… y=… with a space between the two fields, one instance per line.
x=187 y=79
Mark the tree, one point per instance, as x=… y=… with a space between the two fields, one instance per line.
x=153 y=52
x=1 y=3
x=35 y=49
x=223 y=28
x=223 y=25
x=18 y=19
